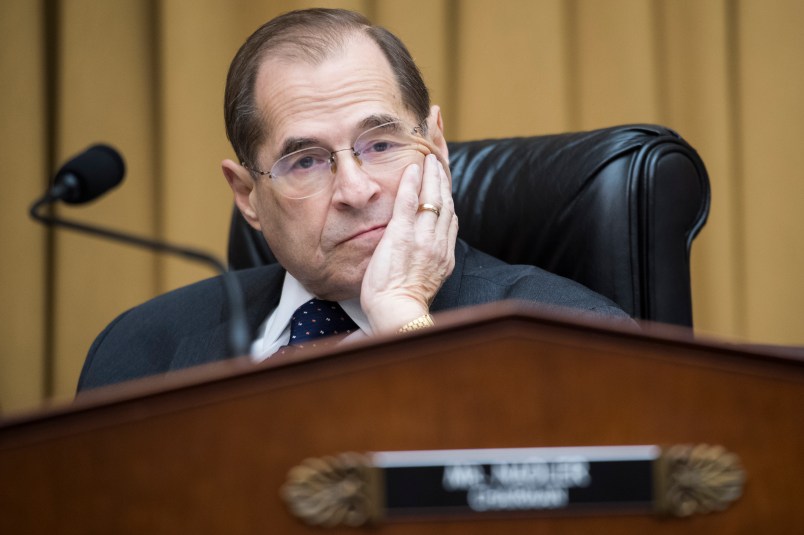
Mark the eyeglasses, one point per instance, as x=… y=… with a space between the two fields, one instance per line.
x=380 y=151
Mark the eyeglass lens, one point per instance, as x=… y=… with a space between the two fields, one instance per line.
x=379 y=150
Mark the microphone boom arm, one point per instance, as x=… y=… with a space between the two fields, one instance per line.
x=239 y=336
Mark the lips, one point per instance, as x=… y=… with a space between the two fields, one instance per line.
x=366 y=233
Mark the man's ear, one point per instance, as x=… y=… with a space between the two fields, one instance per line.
x=242 y=184
x=435 y=126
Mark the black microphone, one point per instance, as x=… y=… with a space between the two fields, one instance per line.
x=88 y=175
x=100 y=168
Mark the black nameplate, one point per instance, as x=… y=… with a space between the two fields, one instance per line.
x=462 y=482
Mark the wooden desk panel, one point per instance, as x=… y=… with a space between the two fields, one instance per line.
x=207 y=451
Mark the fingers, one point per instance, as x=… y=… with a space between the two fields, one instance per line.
x=447 y=218
x=434 y=186
x=407 y=196
x=437 y=232
x=431 y=196
x=431 y=182
x=447 y=226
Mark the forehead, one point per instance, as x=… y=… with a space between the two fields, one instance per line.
x=297 y=98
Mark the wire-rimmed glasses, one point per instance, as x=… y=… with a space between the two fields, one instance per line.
x=380 y=151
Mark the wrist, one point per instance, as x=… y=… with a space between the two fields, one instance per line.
x=389 y=318
x=422 y=322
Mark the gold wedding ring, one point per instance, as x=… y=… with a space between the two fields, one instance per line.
x=430 y=208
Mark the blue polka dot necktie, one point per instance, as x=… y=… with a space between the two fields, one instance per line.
x=316 y=320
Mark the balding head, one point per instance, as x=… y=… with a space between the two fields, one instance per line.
x=309 y=36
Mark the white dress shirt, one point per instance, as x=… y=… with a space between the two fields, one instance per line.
x=275 y=330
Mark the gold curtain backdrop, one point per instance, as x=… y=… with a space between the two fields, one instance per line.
x=147 y=76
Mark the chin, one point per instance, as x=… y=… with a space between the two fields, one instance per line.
x=338 y=278
x=339 y=293
x=338 y=288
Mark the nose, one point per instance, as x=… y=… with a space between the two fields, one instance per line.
x=354 y=188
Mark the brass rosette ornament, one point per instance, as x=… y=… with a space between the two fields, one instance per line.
x=698 y=479
x=332 y=491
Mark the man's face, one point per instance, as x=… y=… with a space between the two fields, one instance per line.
x=326 y=240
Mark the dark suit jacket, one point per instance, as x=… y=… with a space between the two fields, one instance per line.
x=188 y=326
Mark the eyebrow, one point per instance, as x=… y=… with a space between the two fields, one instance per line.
x=294 y=144
x=297 y=143
x=376 y=120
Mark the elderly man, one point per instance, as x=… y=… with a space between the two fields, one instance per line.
x=343 y=167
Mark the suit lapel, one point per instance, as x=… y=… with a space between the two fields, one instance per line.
x=261 y=288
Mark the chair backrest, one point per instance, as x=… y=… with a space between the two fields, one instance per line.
x=615 y=209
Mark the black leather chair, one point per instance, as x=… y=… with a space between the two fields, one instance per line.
x=614 y=209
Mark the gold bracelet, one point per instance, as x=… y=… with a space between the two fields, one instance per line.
x=422 y=322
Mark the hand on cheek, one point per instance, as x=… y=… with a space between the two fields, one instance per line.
x=416 y=253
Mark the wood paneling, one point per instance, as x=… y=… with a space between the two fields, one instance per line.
x=106 y=93
x=23 y=153
x=511 y=69
x=772 y=130
x=198 y=40
x=617 y=71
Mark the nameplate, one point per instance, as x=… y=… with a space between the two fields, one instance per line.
x=533 y=479
x=353 y=489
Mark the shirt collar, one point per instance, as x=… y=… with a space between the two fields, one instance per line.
x=275 y=330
